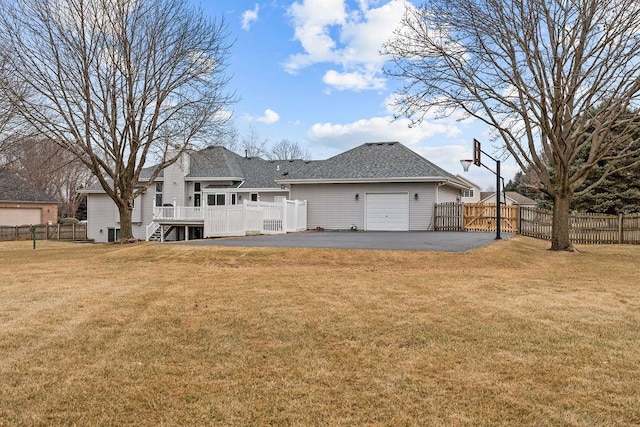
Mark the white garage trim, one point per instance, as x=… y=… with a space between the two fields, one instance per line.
x=387 y=211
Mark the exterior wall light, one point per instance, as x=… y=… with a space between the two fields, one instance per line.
x=357 y=196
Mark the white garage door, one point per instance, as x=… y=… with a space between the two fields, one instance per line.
x=20 y=216
x=387 y=211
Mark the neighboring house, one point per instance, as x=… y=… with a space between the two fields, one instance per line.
x=508 y=198
x=23 y=204
x=470 y=194
x=376 y=186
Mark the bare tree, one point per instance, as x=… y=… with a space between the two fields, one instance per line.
x=288 y=150
x=7 y=111
x=253 y=145
x=51 y=169
x=534 y=71
x=118 y=83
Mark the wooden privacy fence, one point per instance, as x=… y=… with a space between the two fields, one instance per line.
x=583 y=227
x=475 y=217
x=586 y=228
x=44 y=232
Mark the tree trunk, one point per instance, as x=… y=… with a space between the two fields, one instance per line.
x=126 y=228
x=560 y=225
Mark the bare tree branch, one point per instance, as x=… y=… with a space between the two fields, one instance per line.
x=552 y=78
x=288 y=150
x=118 y=83
x=252 y=144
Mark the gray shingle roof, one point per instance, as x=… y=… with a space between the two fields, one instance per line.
x=260 y=173
x=219 y=162
x=375 y=160
x=513 y=195
x=215 y=162
x=16 y=189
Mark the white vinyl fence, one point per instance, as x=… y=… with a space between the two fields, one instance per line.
x=255 y=218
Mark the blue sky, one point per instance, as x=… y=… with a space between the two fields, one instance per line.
x=310 y=71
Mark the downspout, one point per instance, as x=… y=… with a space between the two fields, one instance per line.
x=438 y=185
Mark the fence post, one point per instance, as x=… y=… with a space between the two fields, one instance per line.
x=285 y=224
x=620 y=229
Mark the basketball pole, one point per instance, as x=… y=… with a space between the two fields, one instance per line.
x=477 y=150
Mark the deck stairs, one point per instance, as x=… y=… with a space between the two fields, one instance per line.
x=156 y=236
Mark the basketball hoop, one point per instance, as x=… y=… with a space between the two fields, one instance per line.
x=465 y=164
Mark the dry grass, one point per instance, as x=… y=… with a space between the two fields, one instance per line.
x=511 y=334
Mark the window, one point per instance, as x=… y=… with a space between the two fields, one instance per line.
x=221 y=199
x=113 y=234
x=218 y=199
x=254 y=197
x=197 y=196
x=467 y=193
x=159 y=188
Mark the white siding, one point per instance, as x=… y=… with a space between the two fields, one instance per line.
x=174 y=185
x=448 y=194
x=334 y=207
x=103 y=214
x=265 y=196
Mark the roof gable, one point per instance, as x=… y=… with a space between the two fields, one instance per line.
x=255 y=172
x=515 y=197
x=215 y=162
x=375 y=160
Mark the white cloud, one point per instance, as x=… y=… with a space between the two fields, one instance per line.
x=349 y=39
x=353 y=81
x=249 y=16
x=269 y=117
x=345 y=136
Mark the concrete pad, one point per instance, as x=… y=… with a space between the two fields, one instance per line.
x=441 y=241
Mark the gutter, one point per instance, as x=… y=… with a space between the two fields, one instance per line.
x=360 y=180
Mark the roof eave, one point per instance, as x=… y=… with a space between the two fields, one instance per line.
x=40 y=202
x=212 y=178
x=437 y=179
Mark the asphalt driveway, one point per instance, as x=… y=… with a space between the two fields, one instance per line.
x=441 y=241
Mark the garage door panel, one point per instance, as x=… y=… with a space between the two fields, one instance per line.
x=20 y=216
x=387 y=211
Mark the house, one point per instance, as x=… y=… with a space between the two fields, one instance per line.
x=381 y=186
x=376 y=186
x=470 y=194
x=508 y=198
x=23 y=204
x=214 y=176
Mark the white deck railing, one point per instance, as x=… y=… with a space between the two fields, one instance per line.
x=255 y=218
x=151 y=228
x=179 y=213
x=237 y=220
